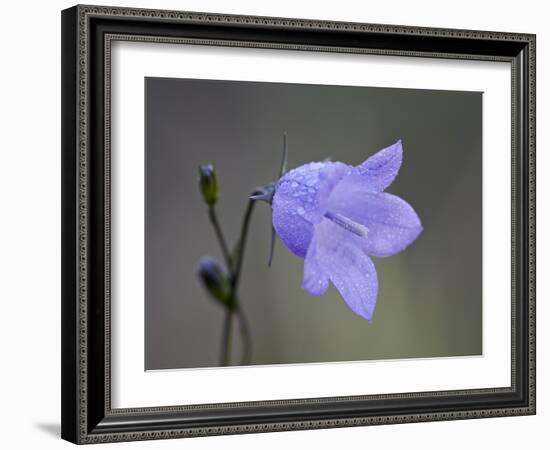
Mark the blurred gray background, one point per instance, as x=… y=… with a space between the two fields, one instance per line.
x=429 y=302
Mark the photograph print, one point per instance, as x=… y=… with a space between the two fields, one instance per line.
x=301 y=223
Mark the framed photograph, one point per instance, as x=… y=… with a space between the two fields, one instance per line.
x=276 y=224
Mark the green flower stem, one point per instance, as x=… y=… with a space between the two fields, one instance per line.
x=241 y=244
x=234 y=268
x=243 y=322
x=225 y=357
x=245 y=336
x=216 y=225
x=226 y=338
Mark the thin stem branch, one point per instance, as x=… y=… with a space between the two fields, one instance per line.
x=235 y=277
x=215 y=223
x=242 y=244
x=234 y=267
x=245 y=336
x=225 y=357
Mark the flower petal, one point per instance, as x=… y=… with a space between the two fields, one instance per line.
x=381 y=168
x=315 y=278
x=300 y=200
x=352 y=272
x=392 y=224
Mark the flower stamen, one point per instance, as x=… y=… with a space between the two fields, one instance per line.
x=348 y=224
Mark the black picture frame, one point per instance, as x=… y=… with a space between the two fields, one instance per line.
x=87 y=416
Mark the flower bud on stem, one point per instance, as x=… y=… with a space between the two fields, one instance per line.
x=221 y=285
x=208 y=184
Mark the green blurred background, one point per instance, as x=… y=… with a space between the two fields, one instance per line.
x=429 y=302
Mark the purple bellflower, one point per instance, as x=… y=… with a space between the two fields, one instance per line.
x=336 y=216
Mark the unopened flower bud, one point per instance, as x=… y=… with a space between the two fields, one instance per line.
x=214 y=279
x=208 y=184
